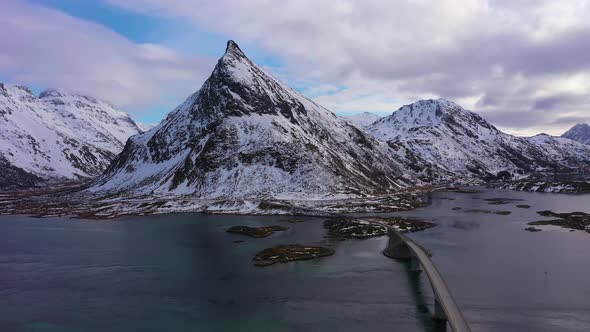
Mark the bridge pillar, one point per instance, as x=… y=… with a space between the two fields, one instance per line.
x=439 y=312
x=415 y=264
x=396 y=247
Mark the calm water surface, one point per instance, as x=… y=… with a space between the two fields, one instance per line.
x=184 y=273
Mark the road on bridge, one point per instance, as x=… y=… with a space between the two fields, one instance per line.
x=445 y=306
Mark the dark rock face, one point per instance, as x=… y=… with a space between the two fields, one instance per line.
x=14 y=177
x=245 y=134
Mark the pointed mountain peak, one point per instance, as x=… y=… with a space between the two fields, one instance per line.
x=579 y=132
x=235 y=66
x=233 y=50
x=434 y=103
x=237 y=86
x=582 y=126
x=578 y=128
x=429 y=109
x=438 y=113
x=51 y=93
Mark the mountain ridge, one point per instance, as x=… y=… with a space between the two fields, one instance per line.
x=580 y=133
x=362 y=120
x=463 y=144
x=243 y=134
x=58 y=136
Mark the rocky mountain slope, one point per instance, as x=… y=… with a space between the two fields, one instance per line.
x=362 y=120
x=562 y=150
x=579 y=133
x=57 y=136
x=462 y=145
x=245 y=134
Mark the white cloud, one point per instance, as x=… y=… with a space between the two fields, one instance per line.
x=521 y=64
x=46 y=47
x=502 y=57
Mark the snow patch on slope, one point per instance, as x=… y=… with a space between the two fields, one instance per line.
x=59 y=135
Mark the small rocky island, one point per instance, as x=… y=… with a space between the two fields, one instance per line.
x=289 y=253
x=502 y=200
x=575 y=221
x=257 y=232
x=460 y=190
x=360 y=228
x=503 y=213
x=343 y=228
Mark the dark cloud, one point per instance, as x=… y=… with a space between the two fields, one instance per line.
x=567 y=120
x=561 y=101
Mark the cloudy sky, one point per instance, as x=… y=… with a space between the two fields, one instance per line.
x=524 y=65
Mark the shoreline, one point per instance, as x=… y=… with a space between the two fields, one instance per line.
x=68 y=201
x=75 y=205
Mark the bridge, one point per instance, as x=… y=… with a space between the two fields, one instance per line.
x=445 y=308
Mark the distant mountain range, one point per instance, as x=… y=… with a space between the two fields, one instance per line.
x=57 y=136
x=363 y=119
x=460 y=144
x=245 y=135
x=143 y=127
x=579 y=133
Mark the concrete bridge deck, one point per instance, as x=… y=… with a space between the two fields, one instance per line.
x=445 y=307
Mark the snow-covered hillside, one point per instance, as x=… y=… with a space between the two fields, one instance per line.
x=579 y=133
x=461 y=144
x=143 y=127
x=58 y=135
x=563 y=151
x=245 y=134
x=362 y=120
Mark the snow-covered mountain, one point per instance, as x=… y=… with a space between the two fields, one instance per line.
x=57 y=135
x=563 y=151
x=579 y=133
x=245 y=134
x=143 y=127
x=460 y=144
x=362 y=120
